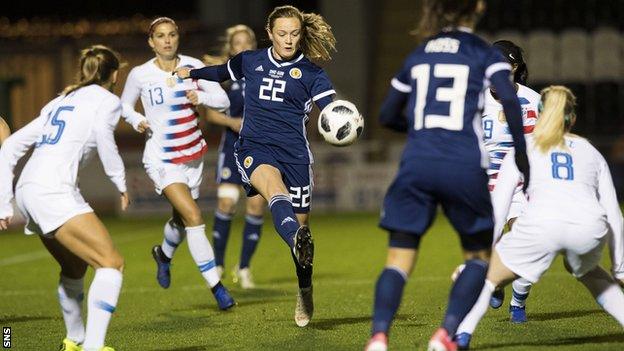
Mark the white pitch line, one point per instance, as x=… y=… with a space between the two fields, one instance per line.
x=197 y=287
x=41 y=254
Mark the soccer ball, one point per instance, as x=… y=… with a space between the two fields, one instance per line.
x=340 y=123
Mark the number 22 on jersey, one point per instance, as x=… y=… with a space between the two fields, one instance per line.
x=454 y=95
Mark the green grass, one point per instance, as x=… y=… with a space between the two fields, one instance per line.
x=350 y=253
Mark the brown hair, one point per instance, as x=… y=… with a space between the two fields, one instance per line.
x=226 y=48
x=96 y=66
x=438 y=14
x=317 y=40
x=156 y=22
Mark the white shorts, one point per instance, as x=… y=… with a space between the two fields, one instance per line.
x=518 y=202
x=532 y=245
x=165 y=174
x=46 y=209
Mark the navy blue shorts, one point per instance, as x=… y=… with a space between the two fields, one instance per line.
x=296 y=177
x=227 y=171
x=411 y=201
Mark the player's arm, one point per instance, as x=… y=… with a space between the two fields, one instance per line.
x=508 y=177
x=608 y=200
x=210 y=94
x=106 y=121
x=129 y=97
x=221 y=119
x=322 y=90
x=233 y=69
x=498 y=74
x=13 y=149
x=4 y=130
x=391 y=114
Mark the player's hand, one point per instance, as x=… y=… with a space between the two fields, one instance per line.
x=193 y=97
x=143 y=127
x=522 y=162
x=4 y=223
x=236 y=124
x=182 y=72
x=125 y=201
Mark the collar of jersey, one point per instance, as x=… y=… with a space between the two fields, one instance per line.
x=285 y=63
x=460 y=29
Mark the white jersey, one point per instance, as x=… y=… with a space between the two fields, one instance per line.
x=176 y=137
x=496 y=136
x=570 y=184
x=68 y=130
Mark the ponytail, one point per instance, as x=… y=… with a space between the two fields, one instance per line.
x=317 y=41
x=97 y=65
x=556 y=117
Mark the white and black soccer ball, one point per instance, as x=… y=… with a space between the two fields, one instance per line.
x=340 y=123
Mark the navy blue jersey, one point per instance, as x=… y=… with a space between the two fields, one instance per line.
x=237 y=103
x=278 y=98
x=444 y=79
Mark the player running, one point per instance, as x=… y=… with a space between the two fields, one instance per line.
x=173 y=155
x=498 y=143
x=572 y=209
x=441 y=86
x=272 y=153
x=238 y=38
x=69 y=129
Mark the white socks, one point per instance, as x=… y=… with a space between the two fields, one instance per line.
x=202 y=253
x=520 y=292
x=612 y=300
x=469 y=324
x=174 y=235
x=103 y=295
x=71 y=294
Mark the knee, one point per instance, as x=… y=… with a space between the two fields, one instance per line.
x=192 y=218
x=113 y=260
x=226 y=205
x=255 y=206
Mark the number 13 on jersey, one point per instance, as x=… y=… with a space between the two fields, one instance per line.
x=454 y=95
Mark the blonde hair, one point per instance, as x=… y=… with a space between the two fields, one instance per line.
x=96 y=66
x=555 y=118
x=226 y=48
x=317 y=40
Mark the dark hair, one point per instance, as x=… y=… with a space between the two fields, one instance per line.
x=97 y=64
x=513 y=54
x=438 y=14
x=317 y=39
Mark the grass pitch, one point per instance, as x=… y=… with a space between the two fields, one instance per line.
x=350 y=253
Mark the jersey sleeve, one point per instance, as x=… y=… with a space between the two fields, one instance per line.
x=231 y=70
x=529 y=119
x=401 y=81
x=129 y=97
x=608 y=200
x=106 y=121
x=321 y=88
x=12 y=150
x=508 y=178
x=212 y=95
x=391 y=113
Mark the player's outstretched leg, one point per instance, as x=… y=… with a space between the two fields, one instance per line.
x=606 y=292
x=517 y=307
x=174 y=234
